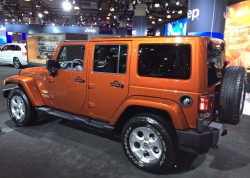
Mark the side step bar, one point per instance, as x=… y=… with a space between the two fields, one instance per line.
x=68 y=116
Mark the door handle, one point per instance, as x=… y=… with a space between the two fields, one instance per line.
x=79 y=80
x=116 y=84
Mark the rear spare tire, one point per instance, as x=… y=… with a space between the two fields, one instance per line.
x=232 y=95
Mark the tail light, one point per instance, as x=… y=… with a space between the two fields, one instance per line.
x=24 y=53
x=205 y=103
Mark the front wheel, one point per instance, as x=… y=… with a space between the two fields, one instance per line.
x=149 y=143
x=20 y=109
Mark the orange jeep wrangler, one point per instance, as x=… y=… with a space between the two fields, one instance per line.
x=162 y=92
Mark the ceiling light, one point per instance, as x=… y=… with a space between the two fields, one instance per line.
x=180 y=12
x=168 y=16
x=153 y=22
x=157 y=5
x=26 y=0
x=46 y=12
x=112 y=9
x=166 y=4
x=107 y=18
x=73 y=2
x=159 y=19
x=40 y=15
x=30 y=13
x=173 y=11
x=67 y=6
x=177 y=3
x=76 y=8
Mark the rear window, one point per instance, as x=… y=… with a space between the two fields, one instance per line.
x=164 y=61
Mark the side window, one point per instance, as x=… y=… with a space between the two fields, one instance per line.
x=71 y=57
x=5 y=48
x=110 y=58
x=164 y=61
x=12 y=47
x=18 y=48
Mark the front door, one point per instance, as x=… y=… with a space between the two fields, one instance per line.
x=67 y=88
x=5 y=55
x=108 y=79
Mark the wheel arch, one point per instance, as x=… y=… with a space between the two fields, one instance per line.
x=167 y=109
x=29 y=85
x=135 y=110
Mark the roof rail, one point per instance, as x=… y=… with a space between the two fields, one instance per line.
x=75 y=40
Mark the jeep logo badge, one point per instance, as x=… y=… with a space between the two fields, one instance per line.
x=193 y=14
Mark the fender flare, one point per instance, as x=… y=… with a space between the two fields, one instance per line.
x=29 y=86
x=172 y=108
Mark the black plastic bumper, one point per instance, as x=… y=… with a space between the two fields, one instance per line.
x=248 y=88
x=200 y=140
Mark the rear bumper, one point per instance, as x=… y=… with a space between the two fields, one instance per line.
x=200 y=140
x=23 y=60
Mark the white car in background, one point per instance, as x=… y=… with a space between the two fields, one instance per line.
x=14 y=53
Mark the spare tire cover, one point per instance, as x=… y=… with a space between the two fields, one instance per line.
x=232 y=95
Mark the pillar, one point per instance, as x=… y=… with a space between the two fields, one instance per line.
x=140 y=21
x=3 y=39
x=122 y=30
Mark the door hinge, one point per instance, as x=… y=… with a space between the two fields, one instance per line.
x=91 y=105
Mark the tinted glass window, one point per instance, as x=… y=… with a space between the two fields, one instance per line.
x=18 y=48
x=164 y=61
x=6 y=48
x=71 y=57
x=12 y=47
x=110 y=58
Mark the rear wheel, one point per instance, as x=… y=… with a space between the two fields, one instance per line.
x=20 y=109
x=232 y=95
x=149 y=143
x=16 y=63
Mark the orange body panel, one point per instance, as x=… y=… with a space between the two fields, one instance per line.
x=171 y=107
x=30 y=87
x=97 y=99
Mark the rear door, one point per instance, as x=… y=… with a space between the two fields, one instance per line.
x=109 y=78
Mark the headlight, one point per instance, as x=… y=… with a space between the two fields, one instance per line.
x=4 y=82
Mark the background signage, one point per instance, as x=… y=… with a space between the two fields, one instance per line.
x=206 y=18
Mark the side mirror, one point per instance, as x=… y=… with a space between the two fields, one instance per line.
x=51 y=66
